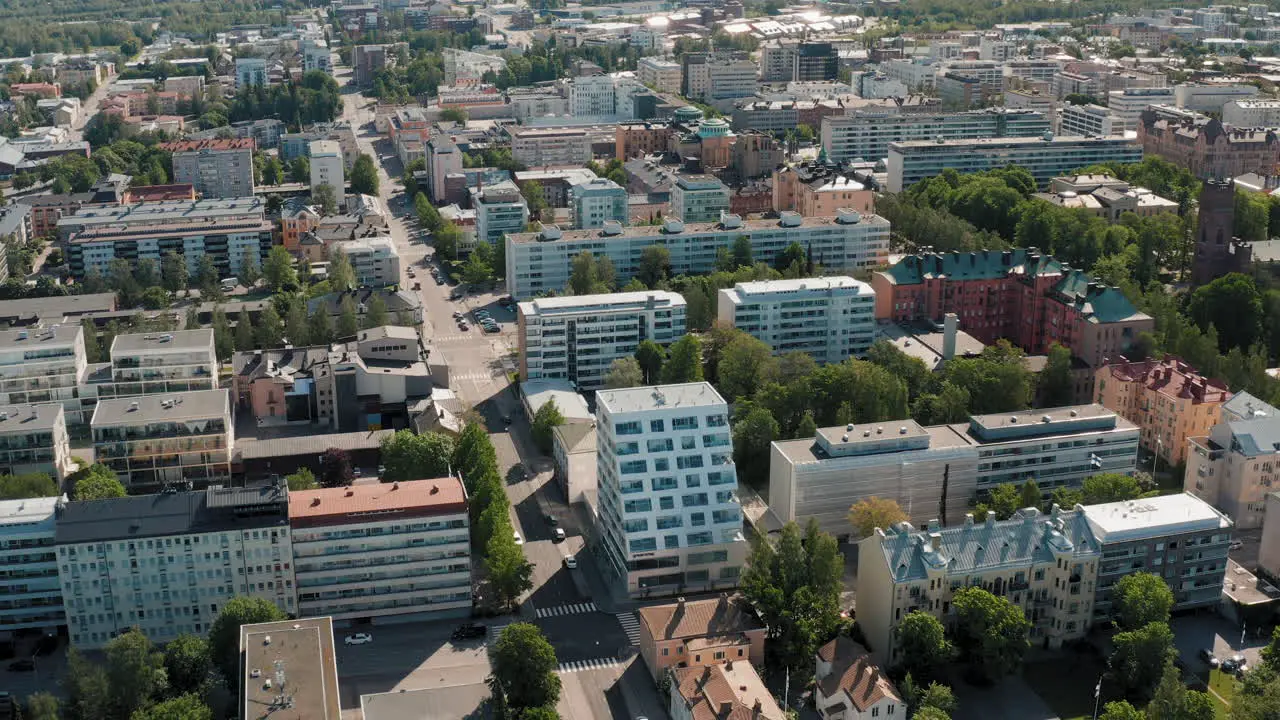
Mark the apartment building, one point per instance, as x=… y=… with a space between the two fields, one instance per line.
x=542 y=261
x=592 y=96
x=828 y=318
x=389 y=550
x=1233 y=466
x=1086 y=121
x=1167 y=399
x=442 y=158
x=44 y=364
x=1178 y=537
x=298 y=144
x=327 y=168
x=33 y=439
x=820 y=189
x=32 y=594
x=790 y=61
x=538 y=147
x=718 y=79
x=577 y=338
x=699 y=198
x=1211 y=97
x=651 y=546
x=500 y=209
x=659 y=74
x=1046 y=565
x=250 y=71
x=316 y=55
x=912 y=161
x=597 y=201
x=164 y=441
x=1209 y=148
x=167 y=563
x=1251 y=113
x=1023 y=295
x=150 y=363
x=1126 y=106
x=227 y=242
x=216 y=168
x=373 y=259
x=866 y=135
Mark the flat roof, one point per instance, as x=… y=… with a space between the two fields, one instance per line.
x=27 y=418
x=171 y=341
x=1153 y=517
x=311 y=444
x=173 y=407
x=569 y=304
x=572 y=406
x=455 y=701
x=818 y=284
x=50 y=336
x=59 y=307
x=1015 y=142
x=165 y=211
x=374 y=502
x=659 y=397
x=172 y=513
x=646 y=231
x=34 y=513
x=297 y=658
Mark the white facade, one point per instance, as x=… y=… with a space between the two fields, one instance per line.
x=1251 y=113
x=669 y=513
x=538 y=147
x=592 y=96
x=577 y=338
x=33 y=439
x=33 y=595
x=1211 y=98
x=500 y=209
x=1085 y=121
x=911 y=162
x=662 y=75
x=373 y=259
x=827 y=318
x=699 y=198
x=867 y=136
x=327 y=169
x=44 y=365
x=159 y=441
x=316 y=55
x=997 y=50
x=597 y=201
x=729 y=81
x=1126 y=106
x=250 y=71
x=918 y=74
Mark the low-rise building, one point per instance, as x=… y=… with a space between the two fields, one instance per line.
x=44 y=364
x=700 y=633
x=820 y=189
x=374 y=260
x=849 y=686
x=699 y=198
x=33 y=595
x=1105 y=196
x=1235 y=465
x=389 y=550
x=33 y=439
x=304 y=649
x=167 y=563
x=731 y=690
x=827 y=318
x=165 y=441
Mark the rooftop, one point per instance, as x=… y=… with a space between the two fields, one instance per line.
x=454 y=701
x=29 y=513
x=1243 y=406
x=853 y=672
x=728 y=691
x=376 y=502
x=29 y=418
x=172 y=513
x=40 y=337
x=165 y=212
x=820 y=284
x=295 y=662
x=1153 y=517
x=537 y=393
x=1012 y=142
x=311 y=444
x=660 y=397
x=688 y=619
x=172 y=341
x=214 y=144
x=572 y=304
x=743 y=226
x=55 y=309
x=166 y=407
x=1170 y=376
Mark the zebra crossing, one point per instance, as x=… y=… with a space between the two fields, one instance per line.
x=571 y=609
x=452 y=337
x=473 y=375
x=593 y=664
x=495 y=631
x=630 y=625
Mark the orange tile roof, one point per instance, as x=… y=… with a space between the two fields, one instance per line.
x=732 y=691
x=340 y=505
x=853 y=673
x=699 y=618
x=211 y=144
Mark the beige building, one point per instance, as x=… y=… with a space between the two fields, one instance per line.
x=850 y=686
x=1167 y=399
x=1235 y=466
x=1269 y=550
x=1045 y=565
x=696 y=633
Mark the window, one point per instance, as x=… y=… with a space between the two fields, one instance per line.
x=717 y=421
x=662 y=445
x=656 y=426
x=670 y=542
x=875 y=712
x=634 y=467
x=684 y=423
x=627 y=428
x=663 y=483
x=666 y=652
x=686 y=462
x=667 y=503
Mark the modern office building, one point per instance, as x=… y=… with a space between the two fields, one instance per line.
x=33 y=439
x=540 y=147
x=827 y=318
x=388 y=550
x=1178 y=537
x=167 y=563
x=669 y=513
x=866 y=134
x=1046 y=565
x=32 y=594
x=327 y=168
x=1086 y=121
x=216 y=168
x=577 y=337
x=542 y=261
x=789 y=61
x=592 y=96
x=374 y=260
x=44 y=364
x=1211 y=97
x=500 y=209
x=169 y=362
x=912 y=161
x=699 y=198
x=163 y=441
x=1126 y=106
x=593 y=203
x=662 y=75
x=1236 y=464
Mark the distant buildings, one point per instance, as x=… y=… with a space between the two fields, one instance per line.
x=538 y=147
x=1105 y=196
x=1086 y=120
x=662 y=75
x=367 y=60
x=250 y=71
x=828 y=318
x=820 y=189
x=866 y=134
x=217 y=168
x=1168 y=399
x=500 y=209
x=912 y=161
x=600 y=200
x=789 y=60
x=154 y=442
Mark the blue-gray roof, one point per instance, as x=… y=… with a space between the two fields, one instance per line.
x=1256 y=437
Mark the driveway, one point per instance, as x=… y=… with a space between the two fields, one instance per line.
x=1193 y=632
x=1012 y=699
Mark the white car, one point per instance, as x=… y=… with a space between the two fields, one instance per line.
x=559 y=534
x=519 y=540
x=359 y=639
x=571 y=562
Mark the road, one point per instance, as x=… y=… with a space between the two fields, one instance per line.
x=89 y=108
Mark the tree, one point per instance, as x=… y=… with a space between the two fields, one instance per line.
x=1139 y=658
x=474 y=456
x=364 y=176
x=1233 y=306
x=224 y=633
x=1004 y=500
x=341 y=275
x=930 y=713
x=524 y=665
x=324 y=197
x=1029 y=496
x=510 y=574
x=454 y=114
x=296 y=330
x=302 y=479
x=409 y=456
x=244 y=339
x=753 y=432
x=1271 y=653
x=1055 y=380
x=996 y=381
x=1139 y=599
x=348 y=323
x=874 y=512
x=335 y=468
x=375 y=313
x=187 y=662
x=250 y=272
x=1109 y=487
x=684 y=361
x=1173 y=700
x=590 y=275
x=428 y=217
x=1121 y=710
x=183 y=707
x=223 y=339
x=791 y=255
x=744 y=363
x=96 y=482
x=27 y=485
x=41 y=706
x=270 y=330
x=534 y=197
x=650 y=356
x=540 y=713
x=923 y=645
x=624 y=372
x=320 y=327
x=545 y=420
x=300 y=169
x=476 y=271
x=173 y=272
x=272 y=171
x=936 y=696
x=446 y=239
x=990 y=633
x=88 y=688
x=654 y=266
x=279 y=271
x=741 y=254
x=135 y=670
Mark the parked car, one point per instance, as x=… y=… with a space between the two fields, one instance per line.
x=22 y=666
x=464 y=327
x=457 y=315
x=1207 y=656
x=571 y=561
x=1233 y=664
x=559 y=534
x=469 y=631
x=417 y=286
x=1235 y=545
x=359 y=639
x=491 y=329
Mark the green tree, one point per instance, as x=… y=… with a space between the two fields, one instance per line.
x=624 y=372
x=303 y=479
x=320 y=327
x=1139 y=599
x=270 y=330
x=923 y=648
x=475 y=271
x=224 y=633
x=996 y=381
x=874 y=512
x=27 y=485
x=446 y=239
x=348 y=322
x=183 y=707
x=791 y=255
x=654 y=266
x=741 y=254
x=223 y=339
x=375 y=313
x=524 y=664
x=324 y=197
x=650 y=356
x=1139 y=658
x=410 y=456
x=364 y=176
x=300 y=170
x=272 y=171
x=744 y=364
x=1004 y=500
x=590 y=275
x=296 y=330
x=1271 y=653
x=341 y=275
x=1173 y=700
x=1109 y=487
x=510 y=574
x=1233 y=306
x=41 y=706
x=187 y=662
x=474 y=456
x=173 y=272
x=244 y=340
x=684 y=361
x=1029 y=495
x=534 y=197
x=545 y=420
x=279 y=271
x=1056 y=385
x=1121 y=710
x=930 y=713
x=335 y=468
x=428 y=217
x=135 y=670
x=752 y=434
x=250 y=272
x=96 y=482
x=990 y=633
x=89 y=692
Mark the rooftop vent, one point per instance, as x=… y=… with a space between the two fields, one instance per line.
x=133 y=406
x=611 y=227
x=790 y=218
x=848 y=216
x=671 y=225
x=550 y=232
x=730 y=221
x=1045 y=418
x=849 y=426
x=902 y=430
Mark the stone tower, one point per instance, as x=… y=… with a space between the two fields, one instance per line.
x=1217 y=250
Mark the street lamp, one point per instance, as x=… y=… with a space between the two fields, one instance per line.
x=1155 y=457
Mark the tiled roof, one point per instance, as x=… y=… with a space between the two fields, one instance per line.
x=699 y=618
x=853 y=673
x=385 y=500
x=1173 y=377
x=731 y=691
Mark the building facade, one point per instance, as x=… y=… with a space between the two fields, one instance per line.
x=500 y=209
x=177 y=361
x=828 y=318
x=866 y=134
x=216 y=168
x=1167 y=399
x=539 y=147
x=33 y=439
x=32 y=592
x=600 y=200
x=327 y=168
x=699 y=198
x=1210 y=149
x=912 y=161
x=44 y=365
x=1235 y=465
x=374 y=260
x=1086 y=121
x=155 y=441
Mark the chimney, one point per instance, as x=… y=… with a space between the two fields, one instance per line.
x=968 y=520
x=726 y=708
x=950 y=323
x=935 y=541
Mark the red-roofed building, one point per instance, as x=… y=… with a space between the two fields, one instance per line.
x=1168 y=399
x=159 y=193
x=699 y=632
x=414 y=544
x=851 y=687
x=732 y=691
x=40 y=89
x=218 y=168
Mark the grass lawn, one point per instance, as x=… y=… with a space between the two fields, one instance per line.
x=1067 y=686
x=1224 y=684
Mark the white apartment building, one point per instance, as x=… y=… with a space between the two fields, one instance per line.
x=577 y=337
x=146 y=363
x=659 y=74
x=157 y=441
x=250 y=71
x=391 y=550
x=539 y=262
x=33 y=595
x=167 y=563
x=44 y=364
x=1045 y=158
x=374 y=260
x=539 y=147
x=918 y=74
x=1085 y=121
x=990 y=75
x=592 y=96
x=699 y=198
x=1036 y=70
x=669 y=513
x=997 y=50
x=33 y=439
x=1237 y=464
x=1211 y=98
x=867 y=136
x=1251 y=113
x=316 y=55
x=596 y=202
x=827 y=318
x=1126 y=106
x=500 y=209
x=327 y=168
x=729 y=81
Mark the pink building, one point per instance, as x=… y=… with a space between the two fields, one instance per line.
x=700 y=632
x=1166 y=398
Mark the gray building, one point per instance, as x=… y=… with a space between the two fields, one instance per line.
x=33 y=595
x=164 y=441
x=218 y=168
x=33 y=438
x=866 y=134
x=699 y=198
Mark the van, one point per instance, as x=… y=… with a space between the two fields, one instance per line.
x=229 y=284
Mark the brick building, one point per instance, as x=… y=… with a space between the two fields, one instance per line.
x=1209 y=148
x=1168 y=399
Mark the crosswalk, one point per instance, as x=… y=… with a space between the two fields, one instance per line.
x=571 y=609
x=473 y=375
x=593 y=664
x=495 y=631
x=630 y=625
x=452 y=337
